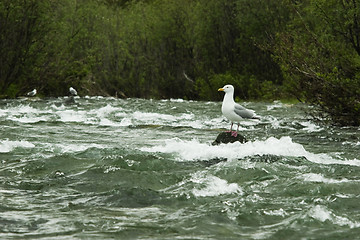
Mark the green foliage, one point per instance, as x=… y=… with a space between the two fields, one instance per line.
x=208 y=89
x=320 y=57
x=141 y=48
x=267 y=49
x=339 y=98
x=21 y=30
x=12 y=90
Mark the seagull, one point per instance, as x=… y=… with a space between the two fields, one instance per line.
x=32 y=93
x=72 y=91
x=233 y=111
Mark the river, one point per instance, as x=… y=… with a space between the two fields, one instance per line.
x=107 y=168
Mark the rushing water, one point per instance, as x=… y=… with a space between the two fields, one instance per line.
x=108 y=168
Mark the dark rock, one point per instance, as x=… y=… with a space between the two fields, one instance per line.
x=226 y=137
x=70 y=100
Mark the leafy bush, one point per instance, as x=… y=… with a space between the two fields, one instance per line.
x=186 y=49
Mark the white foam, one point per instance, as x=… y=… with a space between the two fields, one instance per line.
x=153 y=118
x=28 y=114
x=276 y=104
x=111 y=169
x=190 y=150
x=25 y=114
x=70 y=115
x=23 y=109
x=278 y=212
x=186 y=150
x=104 y=111
x=322 y=214
x=178 y=120
x=311 y=127
x=356 y=144
x=101 y=117
x=28 y=119
x=194 y=150
x=209 y=185
x=58 y=108
x=178 y=100
x=95 y=116
x=96 y=97
x=313 y=177
x=105 y=115
x=203 y=184
x=71 y=148
x=125 y=122
x=277 y=124
x=307 y=126
x=107 y=122
x=8 y=146
x=174 y=120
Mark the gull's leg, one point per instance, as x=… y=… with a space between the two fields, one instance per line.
x=230 y=127
x=234 y=134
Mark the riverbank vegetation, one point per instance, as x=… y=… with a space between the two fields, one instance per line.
x=268 y=49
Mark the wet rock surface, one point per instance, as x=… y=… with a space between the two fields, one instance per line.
x=226 y=137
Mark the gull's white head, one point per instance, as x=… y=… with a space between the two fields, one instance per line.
x=227 y=88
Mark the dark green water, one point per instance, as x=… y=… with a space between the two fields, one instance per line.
x=140 y=169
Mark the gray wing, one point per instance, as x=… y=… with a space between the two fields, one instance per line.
x=243 y=112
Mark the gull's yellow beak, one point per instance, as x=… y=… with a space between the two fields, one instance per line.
x=221 y=89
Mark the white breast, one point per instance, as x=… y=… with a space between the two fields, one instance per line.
x=228 y=112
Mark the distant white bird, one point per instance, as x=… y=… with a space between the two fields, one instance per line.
x=32 y=93
x=233 y=111
x=72 y=91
